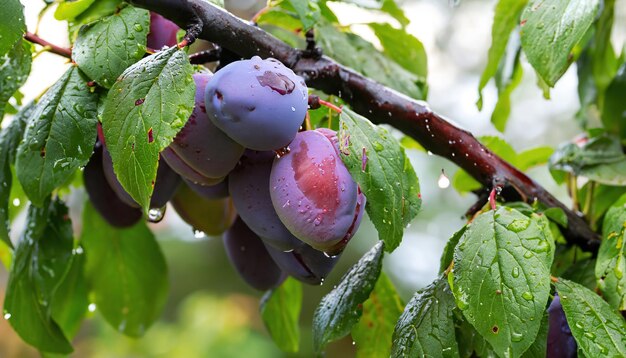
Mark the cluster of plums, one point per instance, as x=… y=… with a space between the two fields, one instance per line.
x=290 y=213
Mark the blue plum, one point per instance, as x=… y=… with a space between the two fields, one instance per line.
x=250 y=258
x=211 y=216
x=304 y=263
x=102 y=196
x=201 y=152
x=259 y=103
x=314 y=194
x=162 y=32
x=561 y=343
x=249 y=185
x=217 y=191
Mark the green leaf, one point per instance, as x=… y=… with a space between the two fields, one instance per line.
x=540 y=345
x=14 y=70
x=379 y=165
x=597 y=328
x=505 y=19
x=611 y=262
x=280 y=311
x=426 y=327
x=551 y=29
x=341 y=308
x=374 y=330
x=600 y=159
x=145 y=108
x=308 y=12
x=104 y=49
x=403 y=48
x=614 y=109
x=9 y=140
x=279 y=17
x=469 y=340
x=42 y=258
x=388 y=6
x=501 y=277
x=97 y=10
x=12 y=25
x=448 y=251
x=360 y=55
x=69 y=9
x=533 y=157
x=582 y=272
x=70 y=302
x=509 y=76
x=605 y=62
x=126 y=271
x=603 y=197
x=59 y=137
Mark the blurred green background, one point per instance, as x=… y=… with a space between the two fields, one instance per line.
x=210 y=311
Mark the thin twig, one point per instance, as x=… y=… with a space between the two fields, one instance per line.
x=65 y=52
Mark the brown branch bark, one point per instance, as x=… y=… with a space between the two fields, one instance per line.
x=374 y=101
x=65 y=52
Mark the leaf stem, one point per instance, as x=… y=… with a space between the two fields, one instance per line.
x=330 y=105
x=588 y=206
x=492 y=198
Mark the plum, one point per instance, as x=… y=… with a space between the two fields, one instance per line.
x=162 y=32
x=249 y=185
x=201 y=152
x=103 y=198
x=314 y=194
x=250 y=258
x=561 y=343
x=304 y=263
x=258 y=103
x=211 y=216
x=217 y=191
x=165 y=184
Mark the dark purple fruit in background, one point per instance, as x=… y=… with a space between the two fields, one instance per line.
x=304 y=263
x=103 y=198
x=561 y=343
x=248 y=255
x=217 y=191
x=201 y=152
x=165 y=185
x=249 y=184
x=211 y=216
x=258 y=103
x=314 y=194
x=162 y=32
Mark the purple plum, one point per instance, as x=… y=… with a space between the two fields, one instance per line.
x=314 y=194
x=250 y=258
x=201 y=152
x=249 y=184
x=162 y=32
x=258 y=103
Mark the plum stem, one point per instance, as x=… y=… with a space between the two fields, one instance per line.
x=194 y=29
x=375 y=101
x=61 y=51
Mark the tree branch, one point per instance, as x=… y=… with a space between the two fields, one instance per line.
x=65 y=52
x=374 y=101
